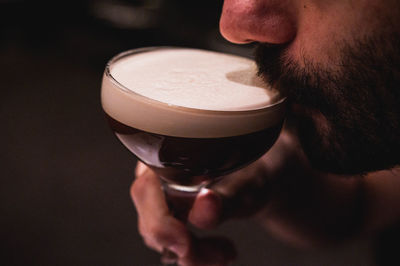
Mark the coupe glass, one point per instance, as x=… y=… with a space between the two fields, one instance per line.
x=185 y=165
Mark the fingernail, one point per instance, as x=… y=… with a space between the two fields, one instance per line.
x=207 y=210
x=178 y=249
x=140 y=168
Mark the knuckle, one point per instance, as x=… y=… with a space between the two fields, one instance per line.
x=138 y=188
x=156 y=232
x=153 y=235
x=150 y=244
x=133 y=189
x=148 y=238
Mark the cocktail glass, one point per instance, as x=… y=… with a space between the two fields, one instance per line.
x=186 y=163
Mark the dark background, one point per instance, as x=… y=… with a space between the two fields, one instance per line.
x=64 y=185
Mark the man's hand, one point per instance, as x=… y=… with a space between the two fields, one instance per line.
x=240 y=194
x=160 y=229
x=295 y=203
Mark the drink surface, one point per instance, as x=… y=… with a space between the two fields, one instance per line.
x=195 y=79
x=189 y=93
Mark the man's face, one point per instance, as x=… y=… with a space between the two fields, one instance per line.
x=339 y=63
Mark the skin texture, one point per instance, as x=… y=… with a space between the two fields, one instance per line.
x=339 y=183
x=340 y=70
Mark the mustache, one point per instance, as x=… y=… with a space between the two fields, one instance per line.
x=269 y=60
x=301 y=85
x=357 y=92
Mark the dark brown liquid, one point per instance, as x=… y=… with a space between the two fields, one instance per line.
x=191 y=161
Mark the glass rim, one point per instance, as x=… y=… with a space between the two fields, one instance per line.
x=174 y=106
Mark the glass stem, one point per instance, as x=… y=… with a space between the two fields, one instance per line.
x=180 y=200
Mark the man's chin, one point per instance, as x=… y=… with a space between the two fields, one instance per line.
x=322 y=145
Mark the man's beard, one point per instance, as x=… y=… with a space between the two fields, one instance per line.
x=359 y=103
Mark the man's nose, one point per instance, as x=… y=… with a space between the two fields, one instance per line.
x=266 y=21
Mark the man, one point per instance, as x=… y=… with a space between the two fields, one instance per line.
x=332 y=173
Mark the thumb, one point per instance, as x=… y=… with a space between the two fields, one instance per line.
x=240 y=194
x=206 y=210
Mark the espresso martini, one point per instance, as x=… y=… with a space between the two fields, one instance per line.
x=191 y=115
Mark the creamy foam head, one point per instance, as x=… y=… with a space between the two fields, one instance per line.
x=189 y=93
x=195 y=79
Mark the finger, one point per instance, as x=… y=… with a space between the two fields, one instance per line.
x=227 y=198
x=217 y=251
x=156 y=225
x=140 y=168
x=147 y=194
x=206 y=210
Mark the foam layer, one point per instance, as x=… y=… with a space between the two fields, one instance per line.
x=194 y=78
x=188 y=93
